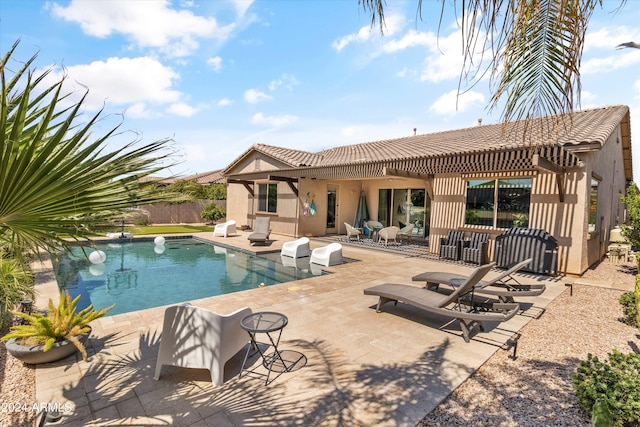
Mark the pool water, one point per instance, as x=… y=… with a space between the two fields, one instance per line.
x=139 y=274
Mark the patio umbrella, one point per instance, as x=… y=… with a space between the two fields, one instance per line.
x=362 y=213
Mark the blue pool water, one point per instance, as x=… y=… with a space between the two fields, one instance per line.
x=138 y=274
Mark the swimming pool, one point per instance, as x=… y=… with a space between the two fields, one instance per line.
x=139 y=274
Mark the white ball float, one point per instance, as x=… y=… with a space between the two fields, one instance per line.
x=97 y=257
x=159 y=240
x=159 y=249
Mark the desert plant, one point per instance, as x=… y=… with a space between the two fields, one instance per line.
x=631 y=231
x=213 y=212
x=617 y=381
x=16 y=284
x=62 y=322
x=629 y=308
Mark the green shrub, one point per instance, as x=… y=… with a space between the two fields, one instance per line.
x=629 y=308
x=141 y=221
x=213 y=212
x=617 y=381
x=16 y=284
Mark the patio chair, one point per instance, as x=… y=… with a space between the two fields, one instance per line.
x=372 y=228
x=504 y=286
x=459 y=304
x=352 y=231
x=450 y=245
x=193 y=337
x=296 y=249
x=261 y=230
x=406 y=231
x=388 y=233
x=475 y=249
x=327 y=255
x=224 y=228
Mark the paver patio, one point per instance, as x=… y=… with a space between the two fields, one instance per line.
x=360 y=368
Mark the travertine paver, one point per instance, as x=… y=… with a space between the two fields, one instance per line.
x=360 y=368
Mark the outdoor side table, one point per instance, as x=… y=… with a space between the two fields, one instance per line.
x=270 y=324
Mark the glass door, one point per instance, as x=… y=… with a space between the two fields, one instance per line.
x=332 y=210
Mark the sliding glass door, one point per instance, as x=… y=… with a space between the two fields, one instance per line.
x=400 y=207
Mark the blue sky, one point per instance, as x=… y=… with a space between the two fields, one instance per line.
x=219 y=76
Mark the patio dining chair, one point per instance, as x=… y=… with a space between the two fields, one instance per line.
x=388 y=233
x=475 y=249
x=352 y=231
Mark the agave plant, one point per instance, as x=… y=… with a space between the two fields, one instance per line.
x=61 y=323
x=56 y=180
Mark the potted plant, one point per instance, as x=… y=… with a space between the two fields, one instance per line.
x=54 y=336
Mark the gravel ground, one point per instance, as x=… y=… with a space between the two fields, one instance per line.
x=534 y=389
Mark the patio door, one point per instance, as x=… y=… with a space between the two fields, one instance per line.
x=403 y=206
x=332 y=210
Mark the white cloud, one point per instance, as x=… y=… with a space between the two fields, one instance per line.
x=215 y=63
x=451 y=103
x=617 y=60
x=287 y=81
x=139 y=111
x=412 y=39
x=609 y=37
x=181 y=109
x=394 y=22
x=224 y=102
x=253 y=96
x=363 y=35
x=148 y=24
x=275 y=121
x=121 y=82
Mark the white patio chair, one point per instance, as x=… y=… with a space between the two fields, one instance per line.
x=297 y=248
x=194 y=337
x=224 y=229
x=352 y=231
x=388 y=233
x=327 y=255
x=406 y=231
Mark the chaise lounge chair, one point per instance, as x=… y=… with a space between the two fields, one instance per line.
x=194 y=337
x=504 y=286
x=298 y=248
x=224 y=229
x=261 y=230
x=460 y=304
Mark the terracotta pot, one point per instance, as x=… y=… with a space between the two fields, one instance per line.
x=35 y=354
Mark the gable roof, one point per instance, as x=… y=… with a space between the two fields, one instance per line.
x=553 y=137
x=206 y=178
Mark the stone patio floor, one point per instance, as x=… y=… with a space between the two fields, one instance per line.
x=359 y=367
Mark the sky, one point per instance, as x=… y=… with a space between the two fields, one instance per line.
x=218 y=76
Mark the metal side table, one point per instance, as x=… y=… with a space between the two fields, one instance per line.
x=268 y=323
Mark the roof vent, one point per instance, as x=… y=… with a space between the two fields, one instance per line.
x=480 y=121
x=414 y=131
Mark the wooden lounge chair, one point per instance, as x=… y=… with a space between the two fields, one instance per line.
x=261 y=230
x=503 y=286
x=459 y=304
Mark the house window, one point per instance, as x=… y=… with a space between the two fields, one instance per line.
x=499 y=203
x=267 y=197
x=593 y=204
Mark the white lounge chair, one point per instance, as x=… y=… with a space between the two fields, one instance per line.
x=352 y=231
x=193 y=337
x=388 y=233
x=327 y=255
x=297 y=248
x=224 y=229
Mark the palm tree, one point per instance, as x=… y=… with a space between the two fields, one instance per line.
x=57 y=181
x=535 y=47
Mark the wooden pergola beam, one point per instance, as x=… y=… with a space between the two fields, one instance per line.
x=542 y=163
x=247 y=184
x=405 y=173
x=286 y=179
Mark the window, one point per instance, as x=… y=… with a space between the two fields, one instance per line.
x=513 y=196
x=593 y=205
x=267 y=197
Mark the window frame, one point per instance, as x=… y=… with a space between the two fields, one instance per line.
x=265 y=196
x=593 y=204
x=495 y=202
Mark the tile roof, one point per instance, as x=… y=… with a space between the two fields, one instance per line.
x=582 y=127
x=206 y=178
